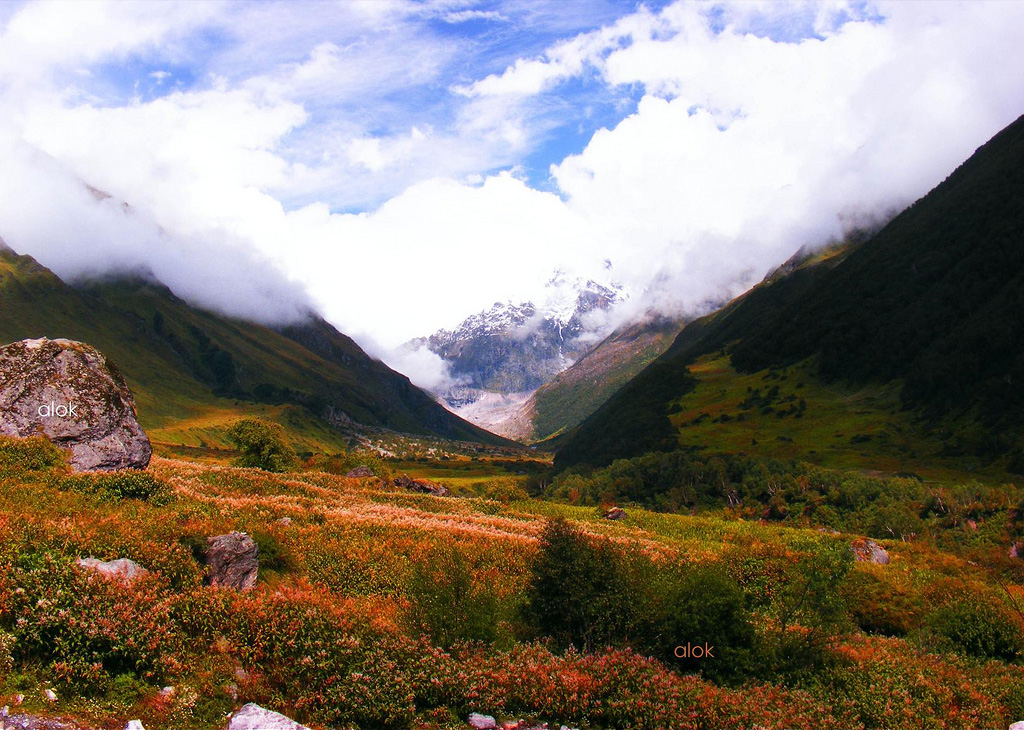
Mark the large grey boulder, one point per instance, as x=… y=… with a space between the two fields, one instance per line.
x=254 y=717
x=122 y=568
x=70 y=393
x=233 y=560
x=869 y=551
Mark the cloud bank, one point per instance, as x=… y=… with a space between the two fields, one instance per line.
x=400 y=166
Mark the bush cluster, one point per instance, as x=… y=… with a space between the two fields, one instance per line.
x=263 y=446
x=589 y=595
x=118 y=485
x=36 y=453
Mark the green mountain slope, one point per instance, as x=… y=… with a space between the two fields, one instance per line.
x=576 y=392
x=930 y=309
x=193 y=368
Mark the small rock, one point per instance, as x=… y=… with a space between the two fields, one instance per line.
x=360 y=472
x=1017 y=725
x=254 y=717
x=18 y=699
x=869 y=551
x=70 y=393
x=421 y=485
x=134 y=725
x=50 y=695
x=126 y=570
x=233 y=560
x=166 y=693
x=1017 y=551
x=284 y=521
x=482 y=722
x=615 y=513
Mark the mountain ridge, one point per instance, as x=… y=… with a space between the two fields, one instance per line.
x=934 y=300
x=182 y=361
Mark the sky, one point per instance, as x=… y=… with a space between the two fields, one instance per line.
x=397 y=166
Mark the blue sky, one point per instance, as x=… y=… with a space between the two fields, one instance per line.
x=400 y=165
x=468 y=41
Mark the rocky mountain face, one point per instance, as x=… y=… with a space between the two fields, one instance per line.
x=499 y=356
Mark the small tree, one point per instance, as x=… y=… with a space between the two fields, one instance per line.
x=575 y=595
x=812 y=599
x=446 y=602
x=263 y=445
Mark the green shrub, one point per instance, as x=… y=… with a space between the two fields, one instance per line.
x=263 y=446
x=977 y=627
x=118 y=485
x=274 y=555
x=576 y=595
x=503 y=489
x=809 y=608
x=707 y=607
x=31 y=454
x=447 y=604
x=878 y=608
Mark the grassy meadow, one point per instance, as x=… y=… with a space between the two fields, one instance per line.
x=378 y=607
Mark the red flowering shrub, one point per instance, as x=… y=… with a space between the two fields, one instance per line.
x=89 y=628
x=333 y=666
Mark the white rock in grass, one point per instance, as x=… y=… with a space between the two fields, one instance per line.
x=123 y=568
x=254 y=717
x=134 y=725
x=482 y=722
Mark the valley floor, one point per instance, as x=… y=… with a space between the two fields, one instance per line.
x=381 y=607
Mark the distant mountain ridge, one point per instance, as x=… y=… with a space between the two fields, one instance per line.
x=499 y=356
x=184 y=363
x=512 y=348
x=933 y=301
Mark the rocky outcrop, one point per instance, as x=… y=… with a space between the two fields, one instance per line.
x=360 y=472
x=869 y=551
x=421 y=485
x=254 y=717
x=233 y=560
x=122 y=568
x=70 y=393
x=615 y=513
x=482 y=722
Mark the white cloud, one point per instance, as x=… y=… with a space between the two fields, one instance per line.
x=740 y=149
x=463 y=16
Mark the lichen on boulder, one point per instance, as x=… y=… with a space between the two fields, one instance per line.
x=72 y=394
